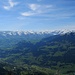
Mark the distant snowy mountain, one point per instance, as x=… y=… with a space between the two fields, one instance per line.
x=10 y=38
x=20 y=33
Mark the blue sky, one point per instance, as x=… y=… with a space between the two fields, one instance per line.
x=37 y=15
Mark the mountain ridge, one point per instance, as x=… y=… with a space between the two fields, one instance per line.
x=53 y=55
x=10 y=38
x=31 y=32
x=59 y=44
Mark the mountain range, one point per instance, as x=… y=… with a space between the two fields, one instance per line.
x=53 y=53
x=10 y=38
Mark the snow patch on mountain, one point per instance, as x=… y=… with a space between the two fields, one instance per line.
x=19 y=33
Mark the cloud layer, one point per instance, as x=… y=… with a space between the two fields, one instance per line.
x=46 y=14
x=10 y=5
x=36 y=9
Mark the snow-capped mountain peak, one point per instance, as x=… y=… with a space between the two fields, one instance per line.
x=19 y=33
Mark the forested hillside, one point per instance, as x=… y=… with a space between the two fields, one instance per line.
x=54 y=55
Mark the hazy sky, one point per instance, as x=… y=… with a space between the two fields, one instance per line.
x=37 y=15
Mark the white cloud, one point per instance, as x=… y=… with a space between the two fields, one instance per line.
x=6 y=7
x=27 y=13
x=35 y=9
x=47 y=12
x=10 y=5
x=34 y=6
x=38 y=7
